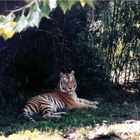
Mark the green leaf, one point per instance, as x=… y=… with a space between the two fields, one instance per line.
x=89 y=2
x=8 y=34
x=63 y=4
x=21 y=24
x=45 y=8
x=7 y=29
x=2 y=17
x=82 y=2
x=34 y=16
x=9 y=17
x=71 y=2
x=66 y=4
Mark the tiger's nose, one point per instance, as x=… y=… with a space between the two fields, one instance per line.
x=70 y=86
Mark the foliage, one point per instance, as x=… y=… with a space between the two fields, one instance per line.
x=115 y=30
x=31 y=15
x=100 y=44
x=41 y=54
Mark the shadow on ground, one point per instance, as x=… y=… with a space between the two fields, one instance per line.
x=108 y=137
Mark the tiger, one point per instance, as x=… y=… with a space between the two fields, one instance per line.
x=62 y=97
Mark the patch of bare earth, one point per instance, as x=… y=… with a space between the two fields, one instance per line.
x=127 y=130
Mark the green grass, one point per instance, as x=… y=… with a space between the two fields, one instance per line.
x=13 y=122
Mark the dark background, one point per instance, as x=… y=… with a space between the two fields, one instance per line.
x=31 y=61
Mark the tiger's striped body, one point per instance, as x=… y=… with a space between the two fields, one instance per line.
x=64 y=97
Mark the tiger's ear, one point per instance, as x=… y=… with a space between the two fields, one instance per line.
x=72 y=72
x=61 y=74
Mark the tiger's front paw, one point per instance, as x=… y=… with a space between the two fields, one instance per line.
x=94 y=107
x=95 y=103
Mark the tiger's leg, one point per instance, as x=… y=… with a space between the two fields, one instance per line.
x=28 y=113
x=88 y=102
x=51 y=115
x=59 y=113
x=47 y=111
x=83 y=105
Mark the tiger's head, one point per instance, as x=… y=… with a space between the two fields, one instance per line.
x=67 y=83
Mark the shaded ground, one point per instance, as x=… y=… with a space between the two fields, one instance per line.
x=109 y=121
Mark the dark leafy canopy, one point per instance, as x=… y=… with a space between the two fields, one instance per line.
x=100 y=44
x=31 y=14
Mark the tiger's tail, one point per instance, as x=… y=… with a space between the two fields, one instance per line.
x=28 y=116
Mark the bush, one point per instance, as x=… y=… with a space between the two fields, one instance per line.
x=39 y=55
